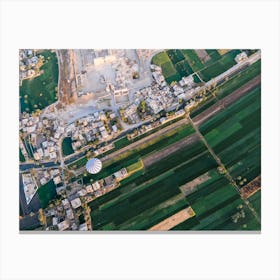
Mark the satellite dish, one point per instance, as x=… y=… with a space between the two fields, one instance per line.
x=94 y=166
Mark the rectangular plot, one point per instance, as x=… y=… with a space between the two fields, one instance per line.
x=190 y=186
x=235 y=108
x=168 y=69
x=193 y=59
x=187 y=225
x=222 y=134
x=183 y=68
x=203 y=55
x=218 y=215
x=205 y=204
x=174 y=220
x=152 y=216
x=220 y=66
x=175 y=56
x=214 y=54
x=238 y=149
x=160 y=58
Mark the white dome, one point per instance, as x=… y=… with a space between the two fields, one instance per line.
x=94 y=165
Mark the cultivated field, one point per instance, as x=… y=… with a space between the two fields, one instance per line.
x=176 y=176
x=176 y=171
x=208 y=64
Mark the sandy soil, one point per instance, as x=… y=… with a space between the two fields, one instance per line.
x=190 y=186
x=174 y=220
x=203 y=55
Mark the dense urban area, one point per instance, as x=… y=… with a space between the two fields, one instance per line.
x=177 y=135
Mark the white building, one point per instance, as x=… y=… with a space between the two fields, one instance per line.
x=76 y=203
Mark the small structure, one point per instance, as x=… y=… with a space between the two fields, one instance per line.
x=76 y=203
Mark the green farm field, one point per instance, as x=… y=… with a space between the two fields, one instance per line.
x=219 y=66
x=143 y=150
x=235 y=136
x=176 y=64
x=153 y=194
x=46 y=193
x=229 y=86
x=41 y=91
x=67 y=146
x=150 y=189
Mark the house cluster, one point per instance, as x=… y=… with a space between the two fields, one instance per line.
x=69 y=213
x=157 y=75
x=126 y=70
x=147 y=127
x=40 y=137
x=107 y=184
x=130 y=114
x=96 y=128
x=160 y=96
x=241 y=57
x=65 y=215
x=45 y=175
x=29 y=64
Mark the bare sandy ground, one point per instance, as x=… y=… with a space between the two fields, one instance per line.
x=203 y=55
x=190 y=186
x=174 y=220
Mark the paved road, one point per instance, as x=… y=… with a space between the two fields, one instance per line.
x=27 y=166
x=226 y=101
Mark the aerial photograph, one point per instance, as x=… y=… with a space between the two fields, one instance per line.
x=149 y=140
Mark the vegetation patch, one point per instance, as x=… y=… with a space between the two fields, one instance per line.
x=47 y=193
x=41 y=91
x=67 y=146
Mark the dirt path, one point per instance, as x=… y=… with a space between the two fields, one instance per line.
x=192 y=185
x=67 y=77
x=226 y=101
x=157 y=156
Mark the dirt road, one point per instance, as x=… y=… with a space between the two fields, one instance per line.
x=157 y=156
x=143 y=140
